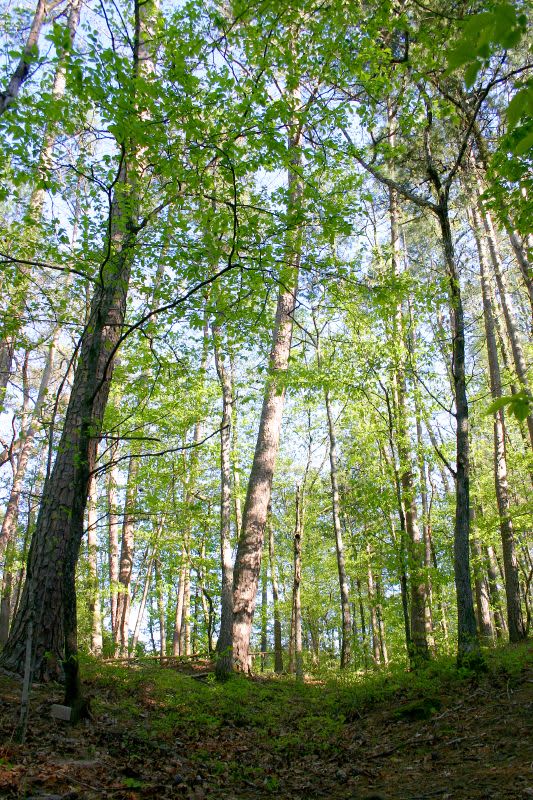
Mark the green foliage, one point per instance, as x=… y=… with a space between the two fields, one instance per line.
x=502 y=27
x=519 y=404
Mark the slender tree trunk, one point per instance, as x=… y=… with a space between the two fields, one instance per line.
x=112 y=510
x=6 y=596
x=382 y=638
x=418 y=644
x=468 y=644
x=95 y=613
x=225 y=637
x=142 y=606
x=339 y=544
x=278 y=650
x=22 y=70
x=126 y=560
x=508 y=310
x=264 y=613
x=482 y=594
x=8 y=341
x=376 y=651
x=512 y=586
x=248 y=559
x=178 y=617
x=296 y=591
x=160 y=609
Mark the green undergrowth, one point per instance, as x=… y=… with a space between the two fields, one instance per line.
x=161 y=702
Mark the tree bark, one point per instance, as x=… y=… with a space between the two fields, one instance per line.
x=29 y=53
x=225 y=637
x=95 y=613
x=50 y=585
x=339 y=544
x=278 y=650
x=126 y=561
x=468 y=644
x=248 y=559
x=515 y=620
x=296 y=590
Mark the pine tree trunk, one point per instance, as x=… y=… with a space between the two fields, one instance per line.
x=50 y=584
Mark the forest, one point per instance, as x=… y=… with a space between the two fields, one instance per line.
x=265 y=353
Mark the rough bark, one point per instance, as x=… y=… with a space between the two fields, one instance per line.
x=54 y=550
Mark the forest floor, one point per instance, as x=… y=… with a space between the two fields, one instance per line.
x=160 y=733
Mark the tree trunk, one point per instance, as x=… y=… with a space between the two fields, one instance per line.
x=339 y=544
x=50 y=584
x=418 y=650
x=95 y=613
x=468 y=644
x=482 y=594
x=225 y=637
x=126 y=560
x=512 y=586
x=29 y=55
x=112 y=510
x=142 y=606
x=160 y=609
x=6 y=592
x=250 y=547
x=278 y=650
x=508 y=311
x=296 y=591
x=494 y=592
x=376 y=650
x=264 y=613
